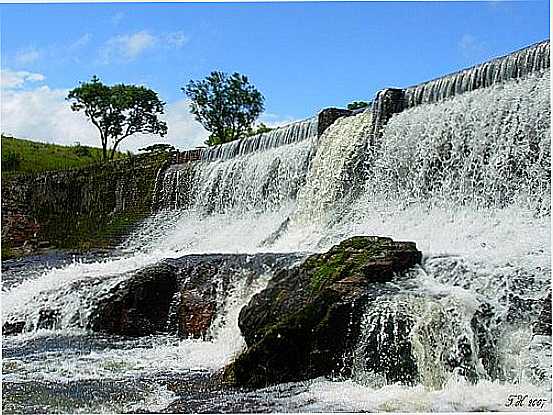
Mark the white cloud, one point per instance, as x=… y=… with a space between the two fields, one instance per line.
x=176 y=39
x=127 y=47
x=27 y=56
x=43 y=114
x=274 y=120
x=16 y=79
x=81 y=41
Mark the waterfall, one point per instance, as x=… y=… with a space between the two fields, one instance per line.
x=263 y=180
x=532 y=59
x=467 y=178
x=288 y=134
x=336 y=168
x=489 y=147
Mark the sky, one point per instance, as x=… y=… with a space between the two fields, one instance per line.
x=303 y=57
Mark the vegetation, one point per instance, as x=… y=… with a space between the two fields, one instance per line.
x=156 y=148
x=355 y=105
x=260 y=129
x=118 y=111
x=24 y=156
x=226 y=106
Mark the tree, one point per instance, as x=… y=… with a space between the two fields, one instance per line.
x=225 y=105
x=260 y=129
x=158 y=148
x=355 y=105
x=118 y=111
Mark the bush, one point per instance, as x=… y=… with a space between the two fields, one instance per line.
x=261 y=128
x=81 y=151
x=11 y=161
x=355 y=105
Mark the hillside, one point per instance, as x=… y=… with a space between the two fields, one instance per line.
x=25 y=156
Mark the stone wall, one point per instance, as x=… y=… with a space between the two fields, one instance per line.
x=92 y=206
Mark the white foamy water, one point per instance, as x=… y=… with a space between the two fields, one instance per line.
x=134 y=358
x=467 y=179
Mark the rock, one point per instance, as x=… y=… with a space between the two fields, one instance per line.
x=307 y=320
x=10 y=328
x=327 y=117
x=180 y=295
x=139 y=305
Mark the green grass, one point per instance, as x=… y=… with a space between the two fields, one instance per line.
x=25 y=156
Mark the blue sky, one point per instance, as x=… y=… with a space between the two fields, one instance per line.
x=301 y=56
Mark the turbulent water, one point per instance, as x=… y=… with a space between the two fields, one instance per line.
x=467 y=178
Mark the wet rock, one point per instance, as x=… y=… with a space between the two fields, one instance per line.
x=327 y=117
x=180 y=295
x=48 y=319
x=139 y=305
x=9 y=328
x=306 y=322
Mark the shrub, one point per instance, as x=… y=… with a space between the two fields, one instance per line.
x=11 y=161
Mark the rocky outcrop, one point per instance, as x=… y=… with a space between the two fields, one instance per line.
x=306 y=321
x=180 y=295
x=138 y=305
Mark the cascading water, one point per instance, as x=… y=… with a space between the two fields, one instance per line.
x=467 y=178
x=526 y=61
x=336 y=168
x=288 y=134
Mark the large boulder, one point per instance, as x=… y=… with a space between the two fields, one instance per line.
x=138 y=305
x=306 y=322
x=180 y=295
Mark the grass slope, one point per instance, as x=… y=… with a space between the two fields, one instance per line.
x=25 y=156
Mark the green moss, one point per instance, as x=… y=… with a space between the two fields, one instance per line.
x=7 y=252
x=89 y=207
x=348 y=258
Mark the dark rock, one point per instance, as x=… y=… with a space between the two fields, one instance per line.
x=47 y=319
x=139 y=305
x=328 y=116
x=180 y=295
x=94 y=205
x=388 y=102
x=308 y=318
x=9 y=328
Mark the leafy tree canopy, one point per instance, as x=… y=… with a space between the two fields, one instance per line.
x=225 y=105
x=355 y=105
x=118 y=111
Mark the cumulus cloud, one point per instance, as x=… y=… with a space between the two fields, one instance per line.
x=15 y=79
x=274 y=120
x=27 y=56
x=43 y=114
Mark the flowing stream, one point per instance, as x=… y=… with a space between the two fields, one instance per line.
x=467 y=178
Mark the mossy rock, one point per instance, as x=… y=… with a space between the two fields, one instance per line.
x=305 y=322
